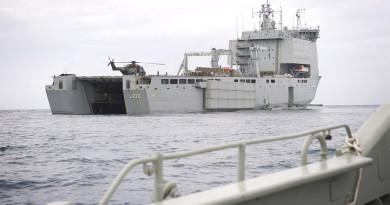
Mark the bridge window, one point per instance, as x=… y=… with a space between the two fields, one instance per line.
x=236 y=80
x=191 y=81
x=173 y=81
x=242 y=81
x=253 y=81
x=272 y=81
x=267 y=81
x=164 y=81
x=182 y=81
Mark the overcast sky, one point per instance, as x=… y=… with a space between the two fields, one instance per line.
x=42 y=38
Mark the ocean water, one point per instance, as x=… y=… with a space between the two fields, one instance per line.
x=46 y=158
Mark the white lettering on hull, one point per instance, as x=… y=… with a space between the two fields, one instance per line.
x=135 y=96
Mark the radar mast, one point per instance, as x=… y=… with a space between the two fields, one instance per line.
x=265 y=14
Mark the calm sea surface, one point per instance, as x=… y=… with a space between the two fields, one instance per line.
x=46 y=158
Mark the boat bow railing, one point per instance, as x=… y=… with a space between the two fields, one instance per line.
x=156 y=168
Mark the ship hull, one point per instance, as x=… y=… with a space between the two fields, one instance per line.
x=129 y=95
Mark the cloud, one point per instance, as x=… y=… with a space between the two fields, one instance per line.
x=40 y=38
x=106 y=22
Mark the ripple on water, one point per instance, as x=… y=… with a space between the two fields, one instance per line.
x=47 y=158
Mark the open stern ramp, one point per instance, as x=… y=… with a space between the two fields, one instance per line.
x=82 y=95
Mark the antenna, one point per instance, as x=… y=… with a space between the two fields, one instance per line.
x=254 y=26
x=299 y=15
x=242 y=21
x=293 y=23
x=281 y=19
x=236 y=25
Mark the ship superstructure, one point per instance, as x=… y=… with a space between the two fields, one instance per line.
x=268 y=68
x=272 y=52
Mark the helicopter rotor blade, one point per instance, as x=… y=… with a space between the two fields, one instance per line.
x=132 y=62
x=141 y=62
x=152 y=63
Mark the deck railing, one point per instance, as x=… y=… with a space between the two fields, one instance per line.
x=157 y=160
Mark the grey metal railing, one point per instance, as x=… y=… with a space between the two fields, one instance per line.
x=157 y=160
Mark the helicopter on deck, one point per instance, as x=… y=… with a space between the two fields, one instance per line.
x=131 y=68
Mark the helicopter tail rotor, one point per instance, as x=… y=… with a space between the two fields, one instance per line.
x=111 y=61
x=112 y=64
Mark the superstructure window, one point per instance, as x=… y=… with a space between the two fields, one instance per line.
x=272 y=81
x=236 y=80
x=199 y=80
x=60 y=86
x=173 y=81
x=182 y=81
x=191 y=81
x=253 y=81
x=248 y=81
x=164 y=81
x=267 y=81
x=242 y=81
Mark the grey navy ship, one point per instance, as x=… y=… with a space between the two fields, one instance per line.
x=269 y=68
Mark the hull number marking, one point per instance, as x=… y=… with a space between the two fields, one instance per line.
x=135 y=96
